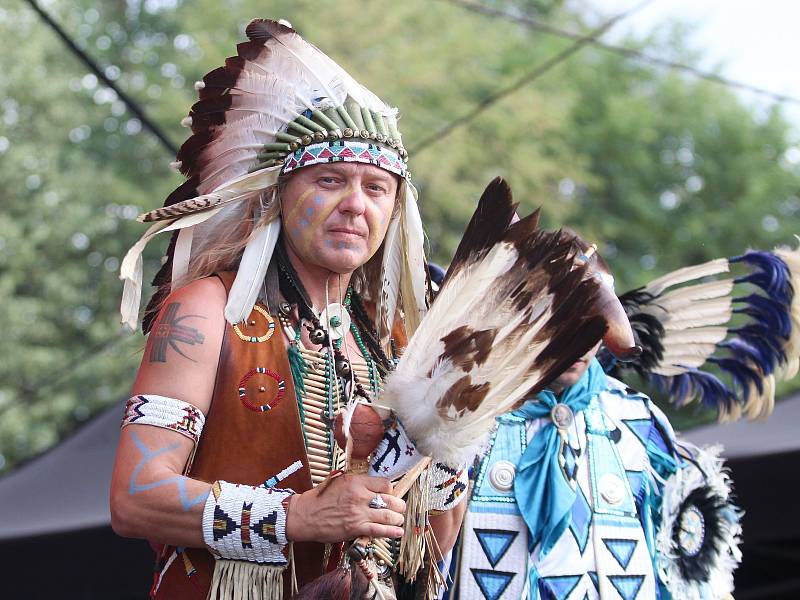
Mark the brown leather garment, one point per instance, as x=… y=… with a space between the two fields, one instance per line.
x=240 y=445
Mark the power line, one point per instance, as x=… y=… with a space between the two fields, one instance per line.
x=631 y=53
x=132 y=105
x=532 y=75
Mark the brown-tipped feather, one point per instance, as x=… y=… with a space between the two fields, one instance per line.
x=260 y=30
x=488 y=224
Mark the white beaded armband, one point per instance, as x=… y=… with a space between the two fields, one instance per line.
x=242 y=522
x=448 y=486
x=395 y=455
x=161 y=411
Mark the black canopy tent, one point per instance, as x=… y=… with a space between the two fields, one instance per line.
x=55 y=535
x=56 y=540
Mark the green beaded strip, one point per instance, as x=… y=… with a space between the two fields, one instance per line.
x=348 y=121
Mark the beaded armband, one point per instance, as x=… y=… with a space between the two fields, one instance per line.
x=395 y=455
x=161 y=411
x=246 y=523
x=448 y=486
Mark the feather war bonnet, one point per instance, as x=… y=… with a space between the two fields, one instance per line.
x=279 y=105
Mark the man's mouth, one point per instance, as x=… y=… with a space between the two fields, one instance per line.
x=347 y=232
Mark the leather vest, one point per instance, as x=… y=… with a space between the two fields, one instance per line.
x=241 y=443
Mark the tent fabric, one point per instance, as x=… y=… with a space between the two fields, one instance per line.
x=66 y=488
x=748 y=439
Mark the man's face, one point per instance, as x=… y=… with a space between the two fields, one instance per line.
x=336 y=215
x=576 y=371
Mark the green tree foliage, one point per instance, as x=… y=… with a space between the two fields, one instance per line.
x=661 y=170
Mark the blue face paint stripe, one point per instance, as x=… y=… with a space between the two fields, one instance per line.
x=147 y=456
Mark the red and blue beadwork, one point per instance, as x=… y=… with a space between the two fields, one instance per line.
x=268 y=405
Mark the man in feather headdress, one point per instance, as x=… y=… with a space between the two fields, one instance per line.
x=297 y=241
x=584 y=492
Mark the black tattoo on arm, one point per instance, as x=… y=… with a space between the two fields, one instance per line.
x=169 y=332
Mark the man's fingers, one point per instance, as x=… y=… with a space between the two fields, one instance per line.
x=385 y=516
x=377 y=530
x=380 y=485
x=398 y=505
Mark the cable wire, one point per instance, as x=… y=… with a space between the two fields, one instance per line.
x=631 y=53
x=532 y=75
x=132 y=105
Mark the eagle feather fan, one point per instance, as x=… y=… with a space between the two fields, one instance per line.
x=514 y=311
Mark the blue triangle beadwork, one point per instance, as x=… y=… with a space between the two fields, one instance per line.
x=622 y=550
x=495 y=543
x=628 y=586
x=492 y=583
x=558 y=587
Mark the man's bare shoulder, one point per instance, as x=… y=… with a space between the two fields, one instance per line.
x=183 y=346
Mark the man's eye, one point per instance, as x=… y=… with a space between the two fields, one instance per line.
x=377 y=188
x=327 y=180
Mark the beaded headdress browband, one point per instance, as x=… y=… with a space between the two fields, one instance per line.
x=279 y=105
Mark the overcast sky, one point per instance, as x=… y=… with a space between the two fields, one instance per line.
x=756 y=40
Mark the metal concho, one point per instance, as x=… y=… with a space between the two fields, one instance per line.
x=562 y=416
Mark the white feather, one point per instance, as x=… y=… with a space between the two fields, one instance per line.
x=130 y=271
x=691 y=293
x=182 y=254
x=251 y=272
x=413 y=288
x=238 y=189
x=478 y=295
x=712 y=267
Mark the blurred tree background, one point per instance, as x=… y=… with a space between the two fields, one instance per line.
x=663 y=170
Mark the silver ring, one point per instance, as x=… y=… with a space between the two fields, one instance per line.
x=377 y=502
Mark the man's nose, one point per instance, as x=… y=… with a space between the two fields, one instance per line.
x=353 y=201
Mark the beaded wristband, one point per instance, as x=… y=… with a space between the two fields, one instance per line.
x=447 y=486
x=161 y=411
x=242 y=522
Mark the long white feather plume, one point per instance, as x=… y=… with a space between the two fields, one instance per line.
x=413 y=281
x=130 y=271
x=252 y=270
x=712 y=267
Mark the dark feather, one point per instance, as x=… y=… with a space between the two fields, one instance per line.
x=766 y=311
x=697 y=566
x=488 y=225
x=770 y=274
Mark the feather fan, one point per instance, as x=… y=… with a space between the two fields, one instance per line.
x=514 y=311
x=720 y=341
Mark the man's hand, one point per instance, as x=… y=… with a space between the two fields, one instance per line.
x=341 y=511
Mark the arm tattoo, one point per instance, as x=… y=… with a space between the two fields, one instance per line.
x=186 y=500
x=169 y=332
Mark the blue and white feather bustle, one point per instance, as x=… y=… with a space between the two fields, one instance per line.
x=720 y=338
x=697 y=540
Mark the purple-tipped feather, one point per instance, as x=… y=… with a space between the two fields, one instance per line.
x=771 y=274
x=741 y=373
x=773 y=315
x=768 y=345
x=706 y=387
